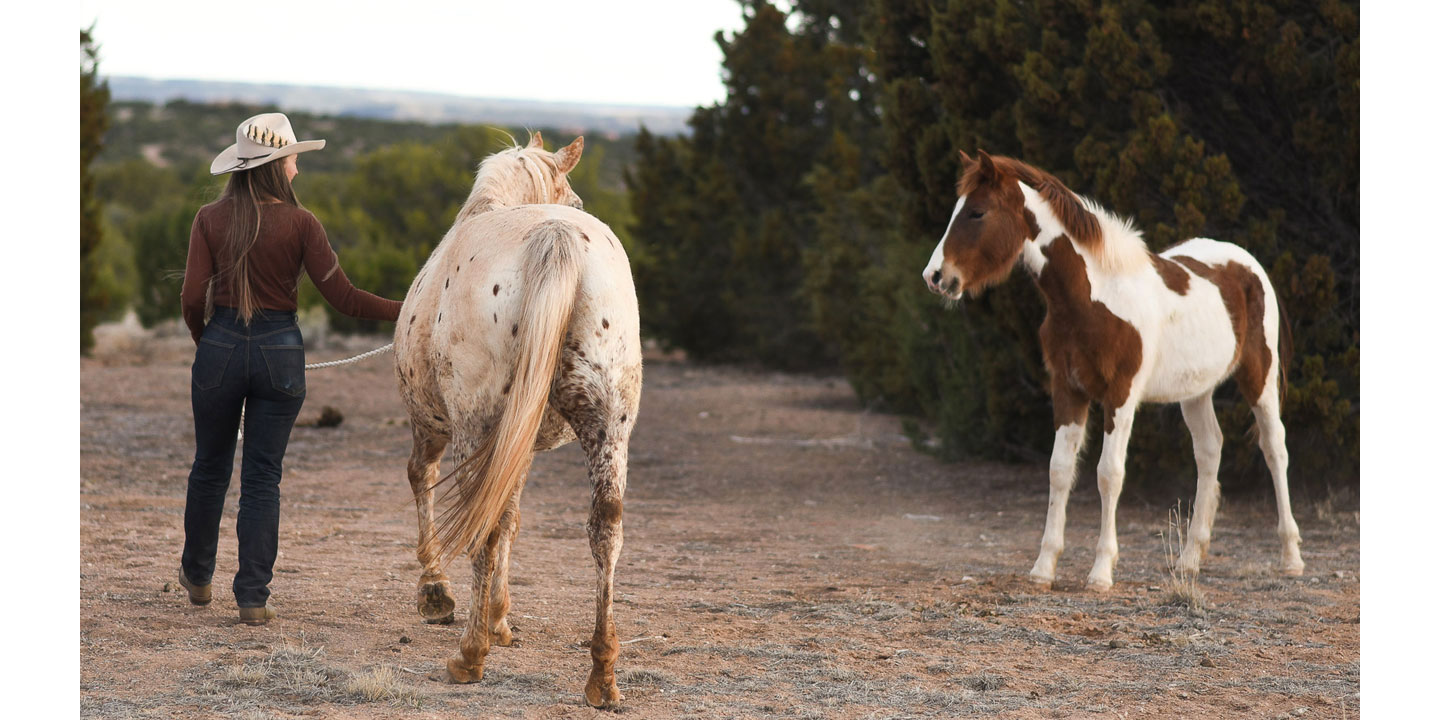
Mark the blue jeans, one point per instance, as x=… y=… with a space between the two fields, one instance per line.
x=260 y=367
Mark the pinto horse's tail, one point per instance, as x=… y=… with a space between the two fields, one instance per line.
x=1287 y=349
x=551 y=277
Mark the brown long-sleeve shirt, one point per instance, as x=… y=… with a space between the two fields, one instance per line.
x=290 y=238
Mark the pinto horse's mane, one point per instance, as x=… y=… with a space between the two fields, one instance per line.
x=1108 y=237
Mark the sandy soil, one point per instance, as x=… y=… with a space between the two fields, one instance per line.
x=787 y=555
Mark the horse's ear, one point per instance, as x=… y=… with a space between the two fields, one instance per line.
x=536 y=142
x=568 y=156
x=987 y=166
x=965 y=160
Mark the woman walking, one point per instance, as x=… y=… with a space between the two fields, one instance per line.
x=247 y=251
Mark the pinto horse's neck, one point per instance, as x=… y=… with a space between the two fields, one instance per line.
x=1097 y=257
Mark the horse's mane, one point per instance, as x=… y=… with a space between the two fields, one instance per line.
x=508 y=178
x=1113 y=240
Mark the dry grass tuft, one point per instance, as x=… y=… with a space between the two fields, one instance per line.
x=1180 y=589
x=300 y=674
x=381 y=684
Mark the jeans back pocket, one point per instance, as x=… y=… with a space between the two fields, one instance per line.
x=286 y=365
x=211 y=359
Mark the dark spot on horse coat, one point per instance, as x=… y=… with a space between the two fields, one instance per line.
x=622 y=417
x=496 y=290
x=412 y=319
x=1087 y=347
x=514 y=330
x=605 y=323
x=1174 y=276
x=584 y=237
x=447 y=282
x=1244 y=298
x=506 y=389
x=495 y=317
x=438 y=317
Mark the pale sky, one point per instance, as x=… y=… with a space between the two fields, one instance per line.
x=643 y=52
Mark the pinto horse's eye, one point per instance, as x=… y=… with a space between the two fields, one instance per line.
x=977 y=214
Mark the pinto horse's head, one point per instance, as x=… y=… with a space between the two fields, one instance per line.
x=987 y=230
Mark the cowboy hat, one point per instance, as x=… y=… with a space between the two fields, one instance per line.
x=259 y=140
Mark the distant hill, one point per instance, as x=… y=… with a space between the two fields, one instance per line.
x=400 y=105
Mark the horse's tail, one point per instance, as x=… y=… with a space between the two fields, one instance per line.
x=1287 y=348
x=551 y=277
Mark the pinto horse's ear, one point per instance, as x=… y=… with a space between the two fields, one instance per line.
x=965 y=160
x=987 y=166
x=568 y=156
x=536 y=142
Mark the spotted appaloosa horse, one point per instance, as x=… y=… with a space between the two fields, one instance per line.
x=1124 y=325
x=520 y=334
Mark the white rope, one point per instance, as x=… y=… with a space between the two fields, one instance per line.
x=347 y=361
x=317 y=366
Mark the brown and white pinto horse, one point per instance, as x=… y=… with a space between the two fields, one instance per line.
x=520 y=334
x=1124 y=325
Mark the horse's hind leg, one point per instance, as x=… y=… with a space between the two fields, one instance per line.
x=433 y=597
x=1205 y=435
x=475 y=643
x=1272 y=443
x=500 y=633
x=607 y=452
x=602 y=416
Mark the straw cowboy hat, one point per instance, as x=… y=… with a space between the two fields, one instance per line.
x=259 y=140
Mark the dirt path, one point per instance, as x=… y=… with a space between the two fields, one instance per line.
x=786 y=555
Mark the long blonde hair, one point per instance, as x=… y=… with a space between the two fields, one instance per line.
x=247 y=190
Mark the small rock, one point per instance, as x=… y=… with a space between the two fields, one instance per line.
x=169 y=587
x=404 y=638
x=1207 y=662
x=1118 y=643
x=329 y=417
x=1184 y=695
x=967 y=579
x=1339 y=573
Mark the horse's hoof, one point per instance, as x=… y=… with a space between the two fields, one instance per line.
x=1099 y=585
x=601 y=694
x=1043 y=581
x=458 y=673
x=504 y=639
x=435 y=602
x=1295 y=569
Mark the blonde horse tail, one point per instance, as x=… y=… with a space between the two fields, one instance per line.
x=488 y=479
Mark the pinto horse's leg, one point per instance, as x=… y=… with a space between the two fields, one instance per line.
x=1205 y=435
x=1071 y=410
x=433 y=597
x=1272 y=443
x=500 y=633
x=1111 y=478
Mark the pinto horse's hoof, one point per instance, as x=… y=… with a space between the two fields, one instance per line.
x=602 y=694
x=436 y=603
x=458 y=673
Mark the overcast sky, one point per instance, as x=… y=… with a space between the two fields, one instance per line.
x=644 y=52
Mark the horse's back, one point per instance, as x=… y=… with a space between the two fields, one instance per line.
x=456 y=339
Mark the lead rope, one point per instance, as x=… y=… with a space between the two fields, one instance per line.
x=318 y=366
x=347 y=361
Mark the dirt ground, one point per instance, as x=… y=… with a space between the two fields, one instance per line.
x=786 y=555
